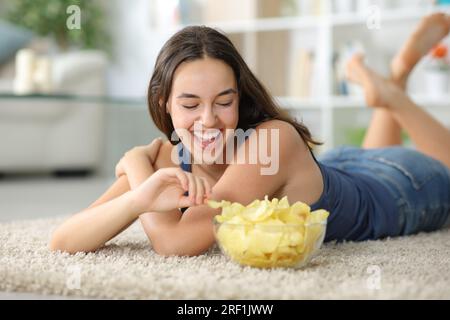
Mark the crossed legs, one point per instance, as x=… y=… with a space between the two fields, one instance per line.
x=394 y=110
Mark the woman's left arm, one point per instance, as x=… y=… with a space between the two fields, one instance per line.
x=193 y=234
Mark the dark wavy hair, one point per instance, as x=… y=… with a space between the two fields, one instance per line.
x=256 y=105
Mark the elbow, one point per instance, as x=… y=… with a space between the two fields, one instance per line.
x=162 y=247
x=60 y=243
x=172 y=247
x=170 y=251
x=56 y=244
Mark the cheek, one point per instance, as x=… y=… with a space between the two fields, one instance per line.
x=182 y=119
x=230 y=116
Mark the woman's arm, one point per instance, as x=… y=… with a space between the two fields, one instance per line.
x=119 y=187
x=93 y=227
x=154 y=198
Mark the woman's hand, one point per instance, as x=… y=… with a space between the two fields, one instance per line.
x=138 y=156
x=164 y=191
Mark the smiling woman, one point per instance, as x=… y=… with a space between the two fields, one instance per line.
x=200 y=94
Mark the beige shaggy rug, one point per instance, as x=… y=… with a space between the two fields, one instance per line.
x=414 y=267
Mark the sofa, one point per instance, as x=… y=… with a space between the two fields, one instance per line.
x=62 y=132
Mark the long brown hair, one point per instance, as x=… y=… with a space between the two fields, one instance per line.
x=256 y=105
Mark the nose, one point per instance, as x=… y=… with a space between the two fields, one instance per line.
x=208 y=117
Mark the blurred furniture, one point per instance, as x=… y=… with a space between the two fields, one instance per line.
x=12 y=38
x=57 y=132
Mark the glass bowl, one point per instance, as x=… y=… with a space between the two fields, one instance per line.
x=270 y=246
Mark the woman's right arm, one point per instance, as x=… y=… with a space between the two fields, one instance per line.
x=93 y=227
x=119 y=187
x=109 y=215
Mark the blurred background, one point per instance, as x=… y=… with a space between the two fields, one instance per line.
x=74 y=76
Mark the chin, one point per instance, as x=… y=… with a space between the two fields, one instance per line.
x=209 y=156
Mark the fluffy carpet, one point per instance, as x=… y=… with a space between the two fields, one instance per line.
x=414 y=267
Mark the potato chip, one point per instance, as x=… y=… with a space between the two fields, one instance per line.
x=268 y=234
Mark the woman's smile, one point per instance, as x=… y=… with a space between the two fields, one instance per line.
x=210 y=137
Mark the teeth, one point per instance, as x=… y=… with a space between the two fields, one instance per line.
x=207 y=136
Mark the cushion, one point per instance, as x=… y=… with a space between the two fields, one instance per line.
x=12 y=38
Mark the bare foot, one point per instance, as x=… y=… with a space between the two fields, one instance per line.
x=430 y=31
x=379 y=92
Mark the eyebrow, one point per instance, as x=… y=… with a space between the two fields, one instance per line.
x=190 y=95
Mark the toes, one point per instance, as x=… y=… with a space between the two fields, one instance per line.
x=436 y=19
x=357 y=59
x=353 y=67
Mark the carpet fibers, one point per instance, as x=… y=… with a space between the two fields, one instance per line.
x=414 y=267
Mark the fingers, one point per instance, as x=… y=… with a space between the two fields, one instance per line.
x=119 y=170
x=116 y=171
x=192 y=187
x=203 y=189
x=208 y=188
x=153 y=148
x=182 y=177
x=198 y=188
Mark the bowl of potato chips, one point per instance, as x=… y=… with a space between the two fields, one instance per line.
x=269 y=234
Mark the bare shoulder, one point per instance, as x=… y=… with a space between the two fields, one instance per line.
x=303 y=181
x=164 y=158
x=282 y=135
x=278 y=153
x=287 y=132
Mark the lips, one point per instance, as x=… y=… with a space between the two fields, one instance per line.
x=207 y=137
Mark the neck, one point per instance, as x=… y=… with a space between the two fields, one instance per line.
x=214 y=170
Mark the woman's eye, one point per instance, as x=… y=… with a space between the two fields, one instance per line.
x=225 y=104
x=190 y=107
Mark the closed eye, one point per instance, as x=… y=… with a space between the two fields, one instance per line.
x=220 y=104
x=225 y=104
x=190 y=107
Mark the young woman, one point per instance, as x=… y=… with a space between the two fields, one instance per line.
x=200 y=80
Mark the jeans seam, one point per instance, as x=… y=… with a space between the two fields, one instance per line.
x=406 y=172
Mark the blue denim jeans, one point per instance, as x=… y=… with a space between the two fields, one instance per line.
x=419 y=184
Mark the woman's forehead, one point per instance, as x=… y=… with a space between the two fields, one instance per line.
x=203 y=76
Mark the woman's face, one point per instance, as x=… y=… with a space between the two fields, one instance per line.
x=203 y=104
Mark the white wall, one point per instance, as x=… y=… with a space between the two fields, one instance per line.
x=135 y=47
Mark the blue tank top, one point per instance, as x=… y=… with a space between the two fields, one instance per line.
x=360 y=207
